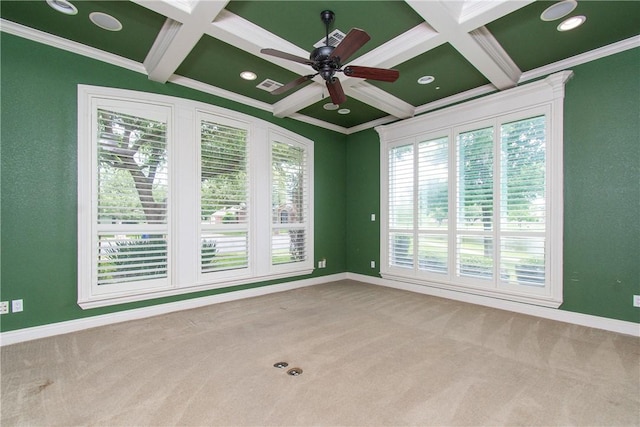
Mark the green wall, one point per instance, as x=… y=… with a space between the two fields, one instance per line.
x=39 y=184
x=601 y=196
x=363 y=199
x=602 y=188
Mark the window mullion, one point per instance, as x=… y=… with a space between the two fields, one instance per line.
x=453 y=204
x=497 y=201
x=416 y=196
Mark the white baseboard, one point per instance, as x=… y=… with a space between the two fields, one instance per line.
x=36 y=332
x=612 y=325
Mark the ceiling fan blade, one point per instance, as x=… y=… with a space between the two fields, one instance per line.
x=381 y=74
x=285 y=55
x=335 y=91
x=292 y=84
x=352 y=42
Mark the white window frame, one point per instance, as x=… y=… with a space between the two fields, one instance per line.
x=280 y=137
x=542 y=97
x=183 y=207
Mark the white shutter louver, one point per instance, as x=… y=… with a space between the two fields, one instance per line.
x=224 y=184
x=290 y=203
x=474 y=244
x=131 y=198
x=523 y=201
x=433 y=205
x=401 y=206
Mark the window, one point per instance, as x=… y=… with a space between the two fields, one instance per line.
x=224 y=196
x=289 y=201
x=171 y=198
x=476 y=205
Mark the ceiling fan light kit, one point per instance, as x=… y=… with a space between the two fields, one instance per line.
x=327 y=60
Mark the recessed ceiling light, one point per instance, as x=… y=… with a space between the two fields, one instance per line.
x=425 y=80
x=558 y=10
x=330 y=106
x=571 y=23
x=248 y=75
x=344 y=111
x=104 y=21
x=63 y=6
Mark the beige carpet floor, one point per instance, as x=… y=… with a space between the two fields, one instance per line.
x=370 y=356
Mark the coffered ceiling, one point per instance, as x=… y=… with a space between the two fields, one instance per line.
x=469 y=47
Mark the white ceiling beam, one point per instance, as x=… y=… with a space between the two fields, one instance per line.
x=407 y=45
x=439 y=16
x=477 y=13
x=378 y=98
x=300 y=99
x=178 y=11
x=177 y=38
x=251 y=38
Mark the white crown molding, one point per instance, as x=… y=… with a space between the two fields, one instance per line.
x=222 y=93
x=318 y=123
x=93 y=53
x=52 y=329
x=457 y=98
x=109 y=58
x=604 y=323
x=70 y=46
x=612 y=49
x=378 y=122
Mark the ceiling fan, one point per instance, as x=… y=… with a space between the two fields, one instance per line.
x=327 y=61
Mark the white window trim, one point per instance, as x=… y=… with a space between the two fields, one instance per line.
x=280 y=137
x=548 y=95
x=184 y=269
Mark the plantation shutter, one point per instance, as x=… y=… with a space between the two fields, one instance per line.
x=290 y=203
x=401 y=206
x=132 y=194
x=523 y=201
x=474 y=226
x=433 y=205
x=224 y=189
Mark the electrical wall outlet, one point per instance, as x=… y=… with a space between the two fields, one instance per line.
x=322 y=263
x=4 y=307
x=636 y=300
x=16 y=306
x=373 y=217
x=373 y=264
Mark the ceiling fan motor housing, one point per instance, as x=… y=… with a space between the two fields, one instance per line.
x=323 y=63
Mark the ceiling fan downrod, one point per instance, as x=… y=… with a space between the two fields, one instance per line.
x=321 y=56
x=327 y=17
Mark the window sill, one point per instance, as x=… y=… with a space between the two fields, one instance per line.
x=540 y=300
x=124 y=298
